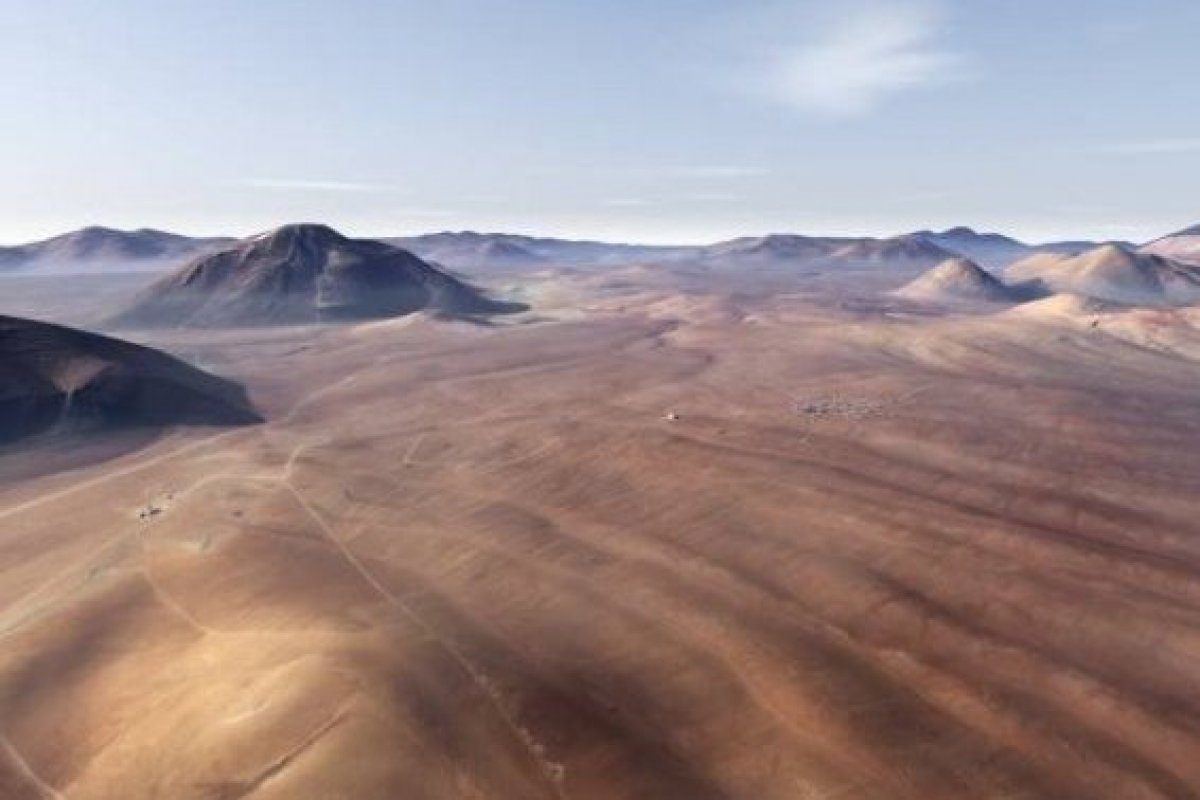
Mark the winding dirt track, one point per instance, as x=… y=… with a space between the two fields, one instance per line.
x=480 y=563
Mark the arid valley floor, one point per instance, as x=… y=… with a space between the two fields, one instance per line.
x=651 y=539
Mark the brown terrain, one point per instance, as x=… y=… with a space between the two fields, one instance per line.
x=655 y=538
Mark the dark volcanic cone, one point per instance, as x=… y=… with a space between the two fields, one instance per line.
x=51 y=375
x=304 y=273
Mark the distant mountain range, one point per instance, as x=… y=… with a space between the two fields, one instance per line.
x=993 y=250
x=783 y=250
x=469 y=250
x=1182 y=246
x=300 y=274
x=472 y=250
x=99 y=249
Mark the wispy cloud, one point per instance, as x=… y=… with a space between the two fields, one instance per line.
x=304 y=184
x=1116 y=31
x=864 y=55
x=423 y=213
x=486 y=198
x=624 y=202
x=1141 y=147
x=721 y=171
x=928 y=196
x=714 y=197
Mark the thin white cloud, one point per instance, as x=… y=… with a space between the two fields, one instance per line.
x=714 y=197
x=1116 y=31
x=486 y=198
x=928 y=196
x=424 y=213
x=624 y=202
x=864 y=55
x=1153 y=147
x=722 y=171
x=303 y=184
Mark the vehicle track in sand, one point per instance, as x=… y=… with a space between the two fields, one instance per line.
x=550 y=772
x=15 y=758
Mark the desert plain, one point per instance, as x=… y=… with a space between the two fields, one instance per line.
x=663 y=535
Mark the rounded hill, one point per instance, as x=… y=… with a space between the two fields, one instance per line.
x=300 y=274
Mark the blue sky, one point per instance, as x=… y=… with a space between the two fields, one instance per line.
x=652 y=120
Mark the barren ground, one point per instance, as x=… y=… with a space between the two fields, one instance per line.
x=876 y=556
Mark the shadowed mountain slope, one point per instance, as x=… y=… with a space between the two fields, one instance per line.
x=56 y=376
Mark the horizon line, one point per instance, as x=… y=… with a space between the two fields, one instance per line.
x=609 y=237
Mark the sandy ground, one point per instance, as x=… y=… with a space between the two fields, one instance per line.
x=879 y=554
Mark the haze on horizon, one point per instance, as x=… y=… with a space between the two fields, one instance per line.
x=667 y=122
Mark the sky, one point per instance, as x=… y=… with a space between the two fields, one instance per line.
x=639 y=120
